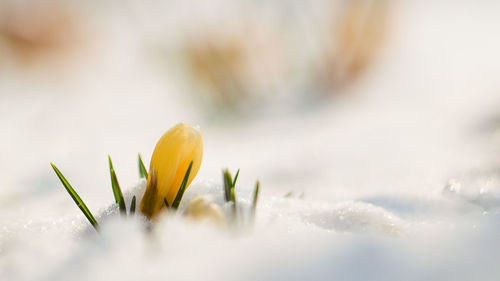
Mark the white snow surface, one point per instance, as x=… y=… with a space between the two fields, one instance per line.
x=397 y=179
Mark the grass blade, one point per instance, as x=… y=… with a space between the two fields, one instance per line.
x=132 y=207
x=180 y=193
x=143 y=173
x=227 y=184
x=255 y=198
x=117 y=192
x=79 y=202
x=235 y=178
x=233 y=199
x=233 y=195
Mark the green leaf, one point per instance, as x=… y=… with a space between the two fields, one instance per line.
x=166 y=202
x=117 y=192
x=228 y=183
x=79 y=202
x=143 y=173
x=235 y=178
x=255 y=198
x=233 y=196
x=233 y=199
x=132 y=207
x=180 y=193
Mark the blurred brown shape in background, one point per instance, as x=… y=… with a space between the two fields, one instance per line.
x=218 y=65
x=30 y=30
x=358 y=31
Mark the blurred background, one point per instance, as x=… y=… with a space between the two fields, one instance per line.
x=334 y=99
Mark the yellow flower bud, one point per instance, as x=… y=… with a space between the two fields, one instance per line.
x=200 y=208
x=174 y=151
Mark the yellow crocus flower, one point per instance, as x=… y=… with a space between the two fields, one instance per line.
x=172 y=155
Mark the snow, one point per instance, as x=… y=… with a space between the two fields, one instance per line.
x=399 y=173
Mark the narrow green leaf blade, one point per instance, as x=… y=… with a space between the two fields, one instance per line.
x=233 y=199
x=255 y=198
x=235 y=178
x=234 y=208
x=117 y=192
x=180 y=193
x=166 y=202
x=79 y=202
x=132 y=207
x=143 y=173
x=226 y=176
x=233 y=195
